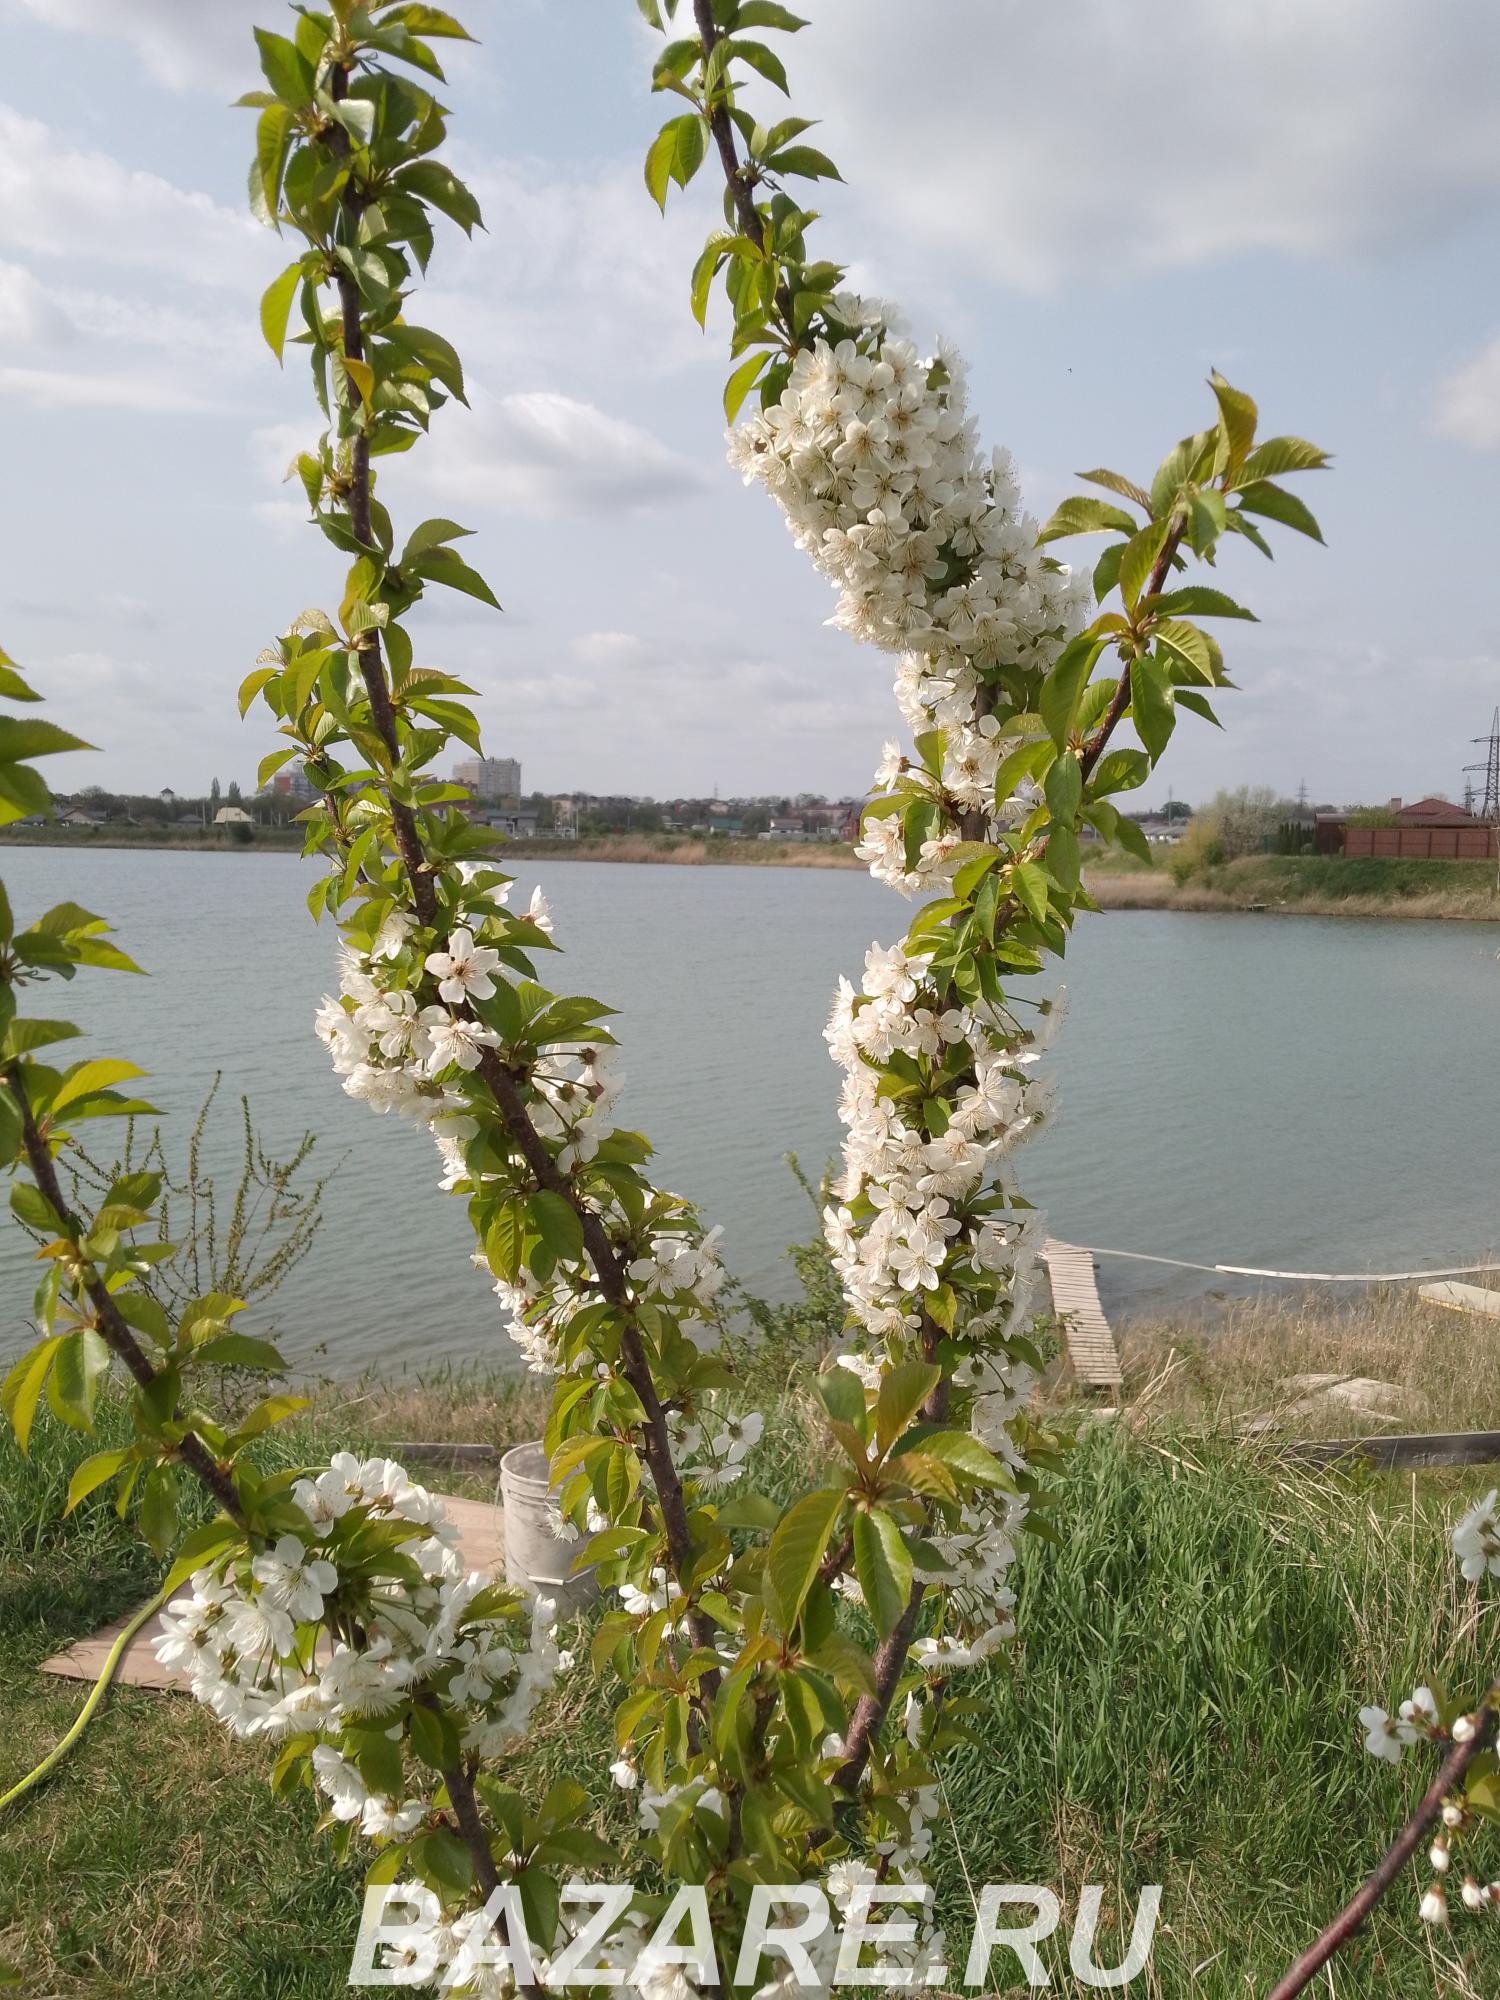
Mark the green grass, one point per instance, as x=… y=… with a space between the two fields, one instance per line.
x=1195 y=1649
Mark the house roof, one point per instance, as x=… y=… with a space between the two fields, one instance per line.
x=1434 y=812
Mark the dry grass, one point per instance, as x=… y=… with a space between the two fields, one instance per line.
x=1307 y=885
x=1445 y=1364
x=686 y=852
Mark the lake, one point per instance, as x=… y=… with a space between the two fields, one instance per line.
x=1290 y=1092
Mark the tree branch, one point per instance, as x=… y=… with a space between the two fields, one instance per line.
x=1405 y=1845
x=608 y=1266
x=111 y=1323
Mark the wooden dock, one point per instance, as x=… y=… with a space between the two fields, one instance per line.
x=1075 y=1300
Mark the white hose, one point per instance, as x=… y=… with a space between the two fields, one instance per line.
x=1306 y=1277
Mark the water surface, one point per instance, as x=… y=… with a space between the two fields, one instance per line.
x=1287 y=1091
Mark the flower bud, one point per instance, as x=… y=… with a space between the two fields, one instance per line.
x=1434 y=1908
x=1463 y=1729
x=1473 y=1895
x=1453 y=1814
x=1438 y=1856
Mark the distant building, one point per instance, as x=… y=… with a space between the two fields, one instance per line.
x=1429 y=830
x=516 y=825
x=232 y=816
x=490 y=777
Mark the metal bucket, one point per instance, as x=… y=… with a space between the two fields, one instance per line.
x=534 y=1557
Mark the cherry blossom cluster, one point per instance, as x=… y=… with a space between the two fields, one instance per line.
x=1428 y=1718
x=874 y=461
x=399 y=1050
x=876 y=464
x=339 y=1625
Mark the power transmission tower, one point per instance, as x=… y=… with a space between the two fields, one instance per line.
x=1490 y=809
x=1302 y=796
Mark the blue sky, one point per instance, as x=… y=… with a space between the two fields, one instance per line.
x=1099 y=201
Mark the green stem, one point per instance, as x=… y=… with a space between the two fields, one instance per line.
x=96 y=1695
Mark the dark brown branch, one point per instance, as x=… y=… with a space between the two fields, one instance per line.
x=1093 y=749
x=1405 y=1845
x=112 y=1325
x=721 y=126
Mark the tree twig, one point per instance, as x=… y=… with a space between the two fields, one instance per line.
x=110 y=1321
x=1405 y=1845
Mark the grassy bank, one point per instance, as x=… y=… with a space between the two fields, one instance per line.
x=1196 y=1645
x=1308 y=885
x=176 y=840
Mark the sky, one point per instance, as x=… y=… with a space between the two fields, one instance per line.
x=1099 y=200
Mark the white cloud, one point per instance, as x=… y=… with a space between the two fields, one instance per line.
x=101 y=389
x=29 y=315
x=540 y=453
x=1468 y=401
x=89 y=208
x=1038 y=143
x=184 y=44
x=614 y=651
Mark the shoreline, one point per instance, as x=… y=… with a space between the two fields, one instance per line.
x=1275 y=885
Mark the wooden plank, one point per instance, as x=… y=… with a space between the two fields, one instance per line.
x=1461 y=1298
x=1075 y=1300
x=1401 y=1454
x=481 y=1543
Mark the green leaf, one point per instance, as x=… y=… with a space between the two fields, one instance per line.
x=1118 y=483
x=1082 y=515
x=444 y=567
x=420 y=19
x=77 y=1377
x=1201 y=602
x=798 y=1547
x=30 y=737
x=1188 y=644
x=1282 y=454
x=842 y=1395
x=1151 y=704
x=432 y=352
x=1138 y=559
x=1058 y=700
x=765 y=62
x=676 y=154
x=766 y=14
x=962 y=1452
x=159 y=1508
x=1276 y=504
x=740 y=383
x=557 y=1223
x=882 y=1562
x=198 y=1548
x=88 y=1078
x=903 y=1390
x=22 y=1388
x=1063 y=861
x=275 y=310
x=1029 y=886
x=285 y=67
x=1064 y=787
x=442 y=1857
x=1239 y=416
x=1120 y=771
x=805 y=161
x=1129 y=835
x=441 y=188
x=239 y=1350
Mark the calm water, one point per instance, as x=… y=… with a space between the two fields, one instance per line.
x=1263 y=1090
